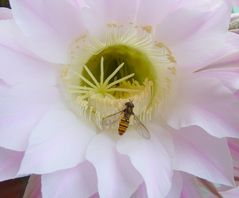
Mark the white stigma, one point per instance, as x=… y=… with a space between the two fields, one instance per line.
x=103 y=87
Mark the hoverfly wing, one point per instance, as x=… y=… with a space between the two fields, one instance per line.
x=111 y=119
x=141 y=128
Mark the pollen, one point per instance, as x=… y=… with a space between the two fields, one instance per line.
x=147 y=28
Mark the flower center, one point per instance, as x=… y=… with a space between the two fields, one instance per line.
x=124 y=65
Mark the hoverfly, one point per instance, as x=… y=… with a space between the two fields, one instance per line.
x=123 y=117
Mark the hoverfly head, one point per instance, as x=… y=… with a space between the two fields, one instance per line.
x=130 y=104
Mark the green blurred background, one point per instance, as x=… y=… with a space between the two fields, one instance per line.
x=4 y=3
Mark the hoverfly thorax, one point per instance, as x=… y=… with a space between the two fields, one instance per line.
x=124 y=120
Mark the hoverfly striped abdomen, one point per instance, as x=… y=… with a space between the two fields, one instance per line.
x=123 y=125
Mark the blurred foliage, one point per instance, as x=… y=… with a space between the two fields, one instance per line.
x=13 y=188
x=235 y=9
x=4 y=3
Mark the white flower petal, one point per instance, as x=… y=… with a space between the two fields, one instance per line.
x=59 y=141
x=96 y=195
x=5 y=13
x=29 y=90
x=174 y=192
x=148 y=11
x=229 y=76
x=151 y=159
x=233 y=193
x=51 y=25
x=78 y=182
x=177 y=185
x=141 y=192
x=9 y=163
x=124 y=12
x=190 y=19
x=229 y=54
x=17 y=124
x=108 y=11
x=116 y=176
x=22 y=69
x=21 y=108
x=200 y=50
x=234 y=149
x=211 y=106
x=201 y=32
x=12 y=37
x=202 y=155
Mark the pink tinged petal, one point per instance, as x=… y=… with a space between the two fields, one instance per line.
x=5 y=13
x=17 y=120
x=230 y=54
x=108 y=11
x=9 y=163
x=174 y=192
x=20 y=69
x=58 y=142
x=233 y=2
x=80 y=181
x=33 y=189
x=29 y=90
x=141 y=192
x=185 y=20
x=151 y=159
x=202 y=155
x=51 y=26
x=237 y=94
x=96 y=195
x=234 y=149
x=233 y=193
x=190 y=188
x=78 y=3
x=12 y=37
x=152 y=12
x=206 y=45
x=177 y=185
x=210 y=106
x=199 y=51
x=116 y=176
x=16 y=124
x=203 y=35
x=228 y=76
x=21 y=108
